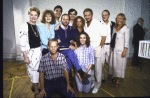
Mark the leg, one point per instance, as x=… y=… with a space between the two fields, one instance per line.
x=135 y=57
x=63 y=88
x=79 y=83
x=86 y=87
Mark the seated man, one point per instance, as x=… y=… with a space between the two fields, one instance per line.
x=63 y=36
x=53 y=68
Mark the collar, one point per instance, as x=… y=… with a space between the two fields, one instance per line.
x=104 y=23
x=49 y=54
x=82 y=47
x=64 y=27
x=139 y=24
x=70 y=24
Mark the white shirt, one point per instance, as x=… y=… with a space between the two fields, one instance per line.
x=95 y=32
x=70 y=24
x=107 y=30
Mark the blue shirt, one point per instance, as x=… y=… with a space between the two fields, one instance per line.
x=50 y=69
x=64 y=35
x=46 y=34
x=74 y=34
x=85 y=56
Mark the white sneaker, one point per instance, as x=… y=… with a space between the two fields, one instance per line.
x=95 y=90
x=92 y=85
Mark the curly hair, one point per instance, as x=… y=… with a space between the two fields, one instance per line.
x=75 y=22
x=87 y=39
x=34 y=9
x=51 y=13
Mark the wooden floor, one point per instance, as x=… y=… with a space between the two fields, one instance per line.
x=16 y=83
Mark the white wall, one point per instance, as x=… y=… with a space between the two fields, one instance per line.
x=9 y=45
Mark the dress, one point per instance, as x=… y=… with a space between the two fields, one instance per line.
x=85 y=58
x=117 y=63
x=34 y=54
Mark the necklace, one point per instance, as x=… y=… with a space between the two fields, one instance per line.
x=36 y=34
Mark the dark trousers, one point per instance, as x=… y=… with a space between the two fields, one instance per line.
x=135 y=58
x=58 y=85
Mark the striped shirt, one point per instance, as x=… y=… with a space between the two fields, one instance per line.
x=50 y=69
x=85 y=56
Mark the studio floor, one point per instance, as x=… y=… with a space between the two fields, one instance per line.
x=16 y=83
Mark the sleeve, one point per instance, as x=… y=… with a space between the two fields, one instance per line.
x=64 y=62
x=91 y=56
x=41 y=66
x=56 y=34
x=22 y=37
x=43 y=36
x=126 y=39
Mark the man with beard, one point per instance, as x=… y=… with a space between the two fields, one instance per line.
x=63 y=36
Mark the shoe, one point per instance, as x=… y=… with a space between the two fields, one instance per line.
x=103 y=81
x=32 y=88
x=92 y=85
x=86 y=76
x=85 y=81
x=95 y=90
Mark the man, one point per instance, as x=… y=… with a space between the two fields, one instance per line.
x=108 y=27
x=58 y=11
x=53 y=68
x=138 y=34
x=72 y=14
x=62 y=35
x=97 y=38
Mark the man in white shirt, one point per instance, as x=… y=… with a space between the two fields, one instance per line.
x=108 y=27
x=97 y=38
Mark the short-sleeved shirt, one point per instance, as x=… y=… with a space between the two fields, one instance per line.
x=46 y=34
x=50 y=69
x=85 y=56
x=95 y=32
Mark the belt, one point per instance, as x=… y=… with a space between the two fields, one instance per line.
x=54 y=79
x=106 y=43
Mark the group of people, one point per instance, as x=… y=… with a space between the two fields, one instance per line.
x=61 y=42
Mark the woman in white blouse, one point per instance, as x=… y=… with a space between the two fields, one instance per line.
x=119 y=46
x=29 y=39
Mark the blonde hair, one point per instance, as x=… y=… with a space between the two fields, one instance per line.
x=34 y=9
x=124 y=18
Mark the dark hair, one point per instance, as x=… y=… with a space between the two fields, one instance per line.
x=106 y=11
x=88 y=10
x=58 y=6
x=34 y=9
x=87 y=39
x=53 y=39
x=64 y=15
x=75 y=22
x=71 y=10
x=51 y=13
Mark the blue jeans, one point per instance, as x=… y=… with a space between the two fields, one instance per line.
x=59 y=85
x=71 y=59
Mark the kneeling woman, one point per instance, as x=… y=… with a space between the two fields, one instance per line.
x=85 y=55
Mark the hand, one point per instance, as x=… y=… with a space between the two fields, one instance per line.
x=26 y=60
x=123 y=54
x=59 y=40
x=57 y=26
x=145 y=29
x=98 y=48
x=42 y=93
x=72 y=47
x=70 y=88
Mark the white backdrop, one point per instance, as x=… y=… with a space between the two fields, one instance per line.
x=131 y=8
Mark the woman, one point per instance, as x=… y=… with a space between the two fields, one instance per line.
x=46 y=29
x=119 y=46
x=85 y=55
x=30 y=46
x=78 y=25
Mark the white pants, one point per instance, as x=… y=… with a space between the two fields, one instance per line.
x=34 y=57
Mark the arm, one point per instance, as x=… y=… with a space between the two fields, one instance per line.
x=89 y=67
x=126 y=43
x=102 y=41
x=43 y=37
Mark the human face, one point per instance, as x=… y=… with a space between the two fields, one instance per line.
x=48 y=18
x=57 y=12
x=65 y=20
x=141 y=22
x=53 y=47
x=83 y=39
x=79 y=22
x=120 y=20
x=88 y=16
x=105 y=16
x=33 y=16
x=72 y=15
